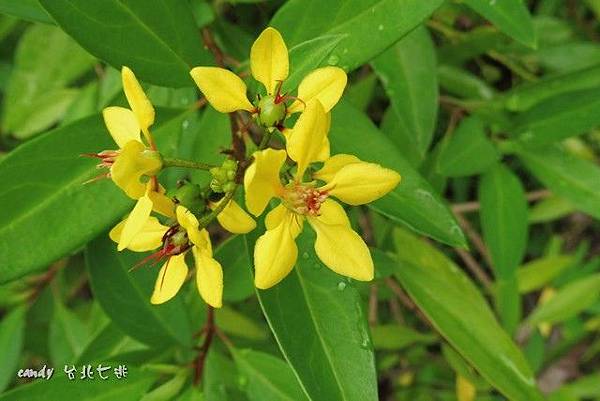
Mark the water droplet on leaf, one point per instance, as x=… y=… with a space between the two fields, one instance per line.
x=333 y=60
x=341 y=286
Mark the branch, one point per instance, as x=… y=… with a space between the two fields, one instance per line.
x=209 y=330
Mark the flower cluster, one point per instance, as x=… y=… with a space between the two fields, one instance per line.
x=300 y=174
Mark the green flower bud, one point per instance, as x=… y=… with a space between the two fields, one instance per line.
x=270 y=114
x=224 y=176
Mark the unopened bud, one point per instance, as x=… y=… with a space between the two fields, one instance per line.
x=270 y=113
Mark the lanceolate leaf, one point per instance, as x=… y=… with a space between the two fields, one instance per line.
x=413 y=202
x=12 y=332
x=572 y=178
x=48 y=211
x=559 y=117
x=409 y=74
x=510 y=16
x=569 y=301
x=125 y=297
x=159 y=42
x=504 y=221
x=459 y=312
x=369 y=26
x=327 y=341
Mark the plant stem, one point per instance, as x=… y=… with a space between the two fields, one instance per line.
x=215 y=212
x=209 y=330
x=186 y=164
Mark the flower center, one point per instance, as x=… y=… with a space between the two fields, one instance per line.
x=304 y=199
x=175 y=241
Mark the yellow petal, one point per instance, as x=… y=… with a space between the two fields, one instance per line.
x=275 y=254
x=170 y=279
x=129 y=167
x=342 y=250
x=360 y=183
x=261 y=180
x=278 y=214
x=162 y=204
x=235 y=220
x=269 y=59
x=149 y=237
x=304 y=145
x=333 y=213
x=326 y=84
x=122 y=125
x=190 y=223
x=135 y=222
x=137 y=99
x=225 y=91
x=333 y=165
x=209 y=278
x=465 y=390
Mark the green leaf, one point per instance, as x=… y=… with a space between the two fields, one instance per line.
x=392 y=337
x=12 y=331
x=30 y=10
x=168 y=389
x=308 y=55
x=235 y=323
x=504 y=222
x=459 y=312
x=159 y=43
x=503 y=217
x=67 y=335
x=568 y=301
x=551 y=208
x=237 y=272
x=125 y=297
x=408 y=73
x=525 y=96
x=327 y=341
x=413 y=202
x=559 y=117
x=510 y=16
x=108 y=342
x=46 y=61
x=537 y=273
x=267 y=377
x=43 y=182
x=565 y=175
x=464 y=84
x=368 y=26
x=468 y=151
x=60 y=388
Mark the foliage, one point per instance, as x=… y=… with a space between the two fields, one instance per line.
x=480 y=279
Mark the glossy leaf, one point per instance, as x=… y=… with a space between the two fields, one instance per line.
x=572 y=178
x=568 y=301
x=67 y=335
x=46 y=61
x=267 y=377
x=409 y=75
x=160 y=43
x=155 y=325
x=468 y=151
x=237 y=272
x=12 y=332
x=368 y=26
x=30 y=10
x=525 y=96
x=327 y=342
x=413 y=202
x=459 y=312
x=559 y=117
x=510 y=16
x=538 y=273
x=43 y=181
x=394 y=337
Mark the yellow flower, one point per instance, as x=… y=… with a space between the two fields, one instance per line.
x=141 y=232
x=344 y=177
x=269 y=64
